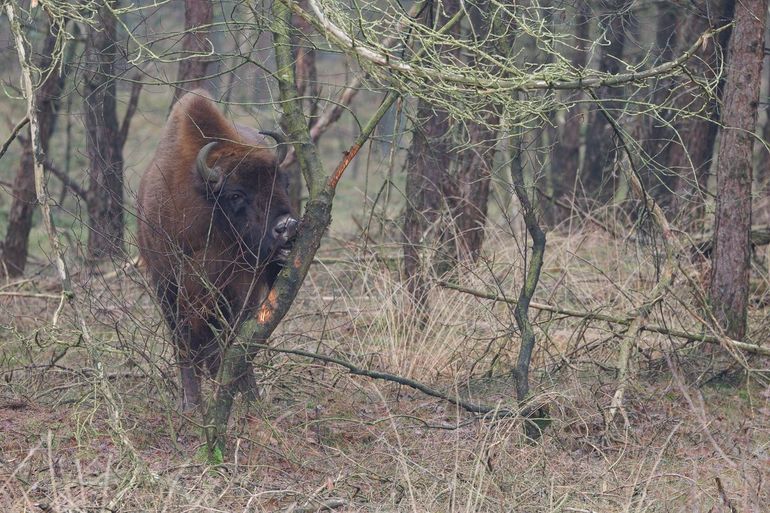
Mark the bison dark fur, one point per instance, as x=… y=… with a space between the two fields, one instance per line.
x=215 y=227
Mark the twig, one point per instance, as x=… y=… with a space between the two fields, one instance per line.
x=21 y=124
x=616 y=319
x=30 y=295
x=133 y=101
x=481 y=409
x=395 y=64
x=334 y=111
x=66 y=179
x=327 y=505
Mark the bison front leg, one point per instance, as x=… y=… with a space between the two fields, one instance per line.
x=191 y=384
x=247 y=384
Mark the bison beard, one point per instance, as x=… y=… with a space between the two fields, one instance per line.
x=215 y=228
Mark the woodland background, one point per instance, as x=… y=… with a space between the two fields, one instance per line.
x=542 y=282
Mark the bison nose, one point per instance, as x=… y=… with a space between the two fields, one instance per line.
x=285 y=228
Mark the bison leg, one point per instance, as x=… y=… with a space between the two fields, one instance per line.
x=167 y=292
x=211 y=355
x=248 y=385
x=191 y=385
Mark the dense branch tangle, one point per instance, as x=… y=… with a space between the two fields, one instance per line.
x=466 y=90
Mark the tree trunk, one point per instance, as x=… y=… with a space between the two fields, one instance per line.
x=426 y=174
x=14 y=251
x=104 y=145
x=306 y=76
x=192 y=73
x=468 y=206
x=565 y=159
x=689 y=159
x=600 y=141
x=730 y=272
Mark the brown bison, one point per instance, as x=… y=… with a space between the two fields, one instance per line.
x=215 y=227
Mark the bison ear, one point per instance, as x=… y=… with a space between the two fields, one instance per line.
x=200 y=121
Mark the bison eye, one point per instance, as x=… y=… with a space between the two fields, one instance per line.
x=235 y=196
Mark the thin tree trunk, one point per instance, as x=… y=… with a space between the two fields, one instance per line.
x=306 y=77
x=527 y=292
x=103 y=139
x=198 y=15
x=14 y=255
x=657 y=179
x=730 y=273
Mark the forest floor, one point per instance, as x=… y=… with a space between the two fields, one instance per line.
x=93 y=426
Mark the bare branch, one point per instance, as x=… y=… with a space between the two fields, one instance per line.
x=133 y=101
x=21 y=124
x=67 y=180
x=617 y=319
x=497 y=83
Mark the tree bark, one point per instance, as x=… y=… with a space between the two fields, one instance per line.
x=730 y=272
x=13 y=259
x=193 y=67
x=468 y=207
x=426 y=176
x=104 y=146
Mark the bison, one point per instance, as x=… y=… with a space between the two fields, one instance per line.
x=215 y=227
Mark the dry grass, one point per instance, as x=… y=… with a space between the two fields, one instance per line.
x=693 y=441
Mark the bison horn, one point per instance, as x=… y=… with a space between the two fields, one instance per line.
x=280 y=141
x=208 y=174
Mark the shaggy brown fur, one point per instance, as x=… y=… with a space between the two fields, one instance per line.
x=212 y=247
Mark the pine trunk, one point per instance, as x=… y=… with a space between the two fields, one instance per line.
x=732 y=247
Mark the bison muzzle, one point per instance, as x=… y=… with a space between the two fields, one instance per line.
x=215 y=227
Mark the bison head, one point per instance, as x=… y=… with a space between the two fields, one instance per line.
x=249 y=198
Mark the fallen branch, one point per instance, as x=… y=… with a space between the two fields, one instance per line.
x=666 y=276
x=468 y=406
x=616 y=319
